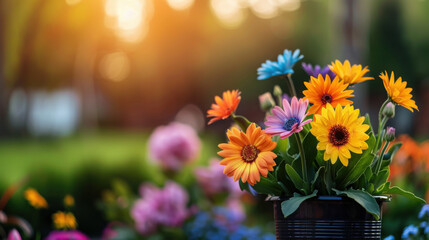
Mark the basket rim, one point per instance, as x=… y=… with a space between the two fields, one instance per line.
x=382 y=198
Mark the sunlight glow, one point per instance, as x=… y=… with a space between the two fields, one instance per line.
x=264 y=8
x=229 y=12
x=129 y=18
x=115 y=66
x=180 y=4
x=73 y=2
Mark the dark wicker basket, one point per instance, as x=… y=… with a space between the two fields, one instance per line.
x=327 y=217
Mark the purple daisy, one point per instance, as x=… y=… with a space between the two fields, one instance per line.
x=314 y=72
x=289 y=120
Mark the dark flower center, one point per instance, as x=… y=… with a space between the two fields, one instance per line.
x=338 y=135
x=326 y=98
x=290 y=122
x=249 y=153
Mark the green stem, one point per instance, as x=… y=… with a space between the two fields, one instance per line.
x=302 y=154
x=241 y=121
x=380 y=113
x=290 y=84
x=380 y=158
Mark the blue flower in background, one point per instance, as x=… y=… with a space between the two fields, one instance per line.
x=424 y=211
x=390 y=237
x=283 y=65
x=220 y=224
x=411 y=230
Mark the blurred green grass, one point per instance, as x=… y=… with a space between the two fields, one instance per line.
x=102 y=150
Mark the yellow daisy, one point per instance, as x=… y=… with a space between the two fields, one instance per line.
x=248 y=155
x=398 y=91
x=35 y=199
x=64 y=220
x=322 y=91
x=340 y=131
x=349 y=74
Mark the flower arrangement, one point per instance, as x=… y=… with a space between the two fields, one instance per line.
x=315 y=145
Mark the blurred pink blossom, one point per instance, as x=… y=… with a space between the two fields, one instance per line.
x=66 y=235
x=14 y=235
x=174 y=145
x=213 y=181
x=160 y=207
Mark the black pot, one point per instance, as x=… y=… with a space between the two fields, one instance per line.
x=327 y=217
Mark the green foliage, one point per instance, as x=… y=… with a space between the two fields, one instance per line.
x=292 y=204
x=298 y=182
x=397 y=190
x=357 y=165
x=364 y=199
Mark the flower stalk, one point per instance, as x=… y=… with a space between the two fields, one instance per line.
x=302 y=154
x=290 y=85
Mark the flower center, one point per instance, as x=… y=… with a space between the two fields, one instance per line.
x=290 y=122
x=249 y=153
x=326 y=98
x=338 y=135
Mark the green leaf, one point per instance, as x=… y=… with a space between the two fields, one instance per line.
x=380 y=178
x=316 y=176
x=357 y=165
x=266 y=186
x=364 y=199
x=296 y=179
x=243 y=186
x=319 y=158
x=293 y=147
x=400 y=191
x=292 y=204
x=310 y=142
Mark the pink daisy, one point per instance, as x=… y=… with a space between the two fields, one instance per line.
x=289 y=120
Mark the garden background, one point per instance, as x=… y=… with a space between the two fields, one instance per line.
x=84 y=83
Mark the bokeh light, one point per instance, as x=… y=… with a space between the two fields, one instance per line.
x=229 y=12
x=115 y=66
x=264 y=8
x=129 y=18
x=180 y=4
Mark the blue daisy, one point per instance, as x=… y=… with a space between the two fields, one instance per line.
x=424 y=211
x=409 y=231
x=283 y=65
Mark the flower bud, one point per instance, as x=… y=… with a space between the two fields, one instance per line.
x=277 y=91
x=390 y=134
x=389 y=110
x=266 y=101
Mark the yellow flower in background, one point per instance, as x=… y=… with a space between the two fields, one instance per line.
x=398 y=91
x=64 y=220
x=349 y=74
x=35 y=199
x=69 y=200
x=339 y=132
x=321 y=91
x=248 y=155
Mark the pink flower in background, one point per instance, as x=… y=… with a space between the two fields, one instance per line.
x=213 y=181
x=14 y=235
x=174 y=145
x=66 y=235
x=165 y=207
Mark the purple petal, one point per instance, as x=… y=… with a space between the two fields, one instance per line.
x=280 y=113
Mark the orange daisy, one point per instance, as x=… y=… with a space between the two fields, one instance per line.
x=398 y=91
x=322 y=91
x=224 y=106
x=248 y=155
x=349 y=74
